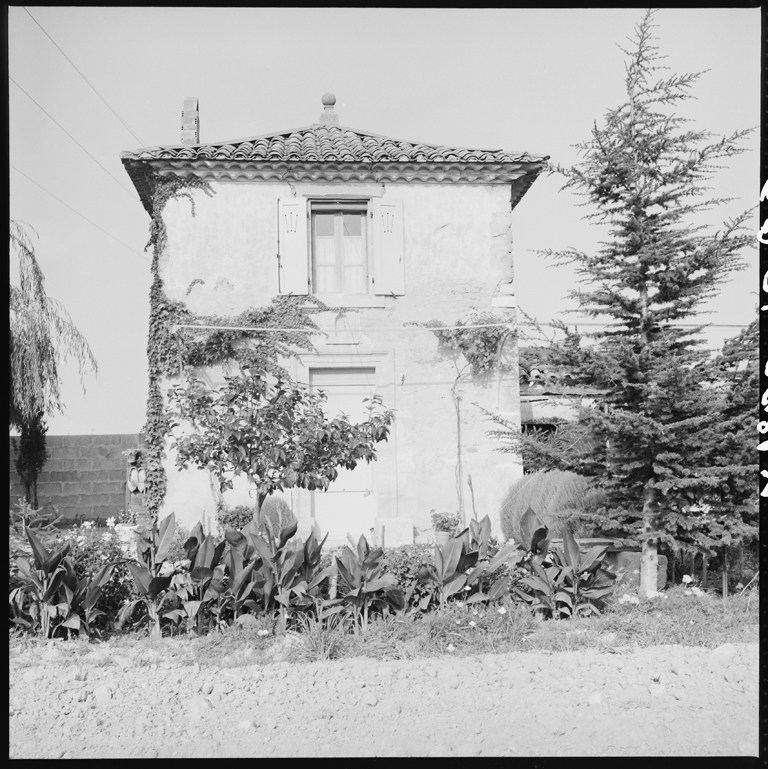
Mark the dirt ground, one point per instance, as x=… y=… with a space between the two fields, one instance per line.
x=128 y=703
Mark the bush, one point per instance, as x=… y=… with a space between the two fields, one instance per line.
x=176 y=551
x=560 y=500
x=91 y=549
x=275 y=509
x=404 y=562
x=237 y=517
x=278 y=512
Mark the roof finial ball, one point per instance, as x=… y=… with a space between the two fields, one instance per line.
x=328 y=115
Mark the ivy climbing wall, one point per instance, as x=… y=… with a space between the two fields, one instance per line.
x=214 y=264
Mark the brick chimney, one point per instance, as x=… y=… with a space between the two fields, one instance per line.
x=190 y=122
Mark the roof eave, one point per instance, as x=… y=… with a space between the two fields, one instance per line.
x=519 y=175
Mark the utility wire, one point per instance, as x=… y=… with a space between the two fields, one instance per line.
x=78 y=213
x=438 y=328
x=74 y=140
x=140 y=141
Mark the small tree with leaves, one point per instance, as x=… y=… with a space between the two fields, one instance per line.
x=41 y=337
x=272 y=430
x=645 y=173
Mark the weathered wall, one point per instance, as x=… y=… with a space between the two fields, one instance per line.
x=84 y=475
x=457 y=259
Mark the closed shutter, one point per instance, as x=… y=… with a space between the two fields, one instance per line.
x=292 y=248
x=388 y=247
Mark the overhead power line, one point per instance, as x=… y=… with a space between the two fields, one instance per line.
x=74 y=140
x=437 y=328
x=130 y=130
x=78 y=213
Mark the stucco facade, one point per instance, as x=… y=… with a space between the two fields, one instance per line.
x=454 y=257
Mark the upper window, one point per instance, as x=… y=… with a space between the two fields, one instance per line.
x=338 y=248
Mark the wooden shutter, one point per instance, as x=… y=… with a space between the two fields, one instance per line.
x=292 y=248
x=388 y=246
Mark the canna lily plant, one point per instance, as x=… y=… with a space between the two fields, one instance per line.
x=366 y=587
x=40 y=599
x=463 y=563
x=204 y=582
x=50 y=590
x=152 y=586
x=569 y=582
x=281 y=572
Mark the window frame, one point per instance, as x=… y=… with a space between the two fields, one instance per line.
x=339 y=207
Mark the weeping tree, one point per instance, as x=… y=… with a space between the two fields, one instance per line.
x=644 y=174
x=42 y=336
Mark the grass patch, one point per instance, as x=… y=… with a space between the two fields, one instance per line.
x=459 y=630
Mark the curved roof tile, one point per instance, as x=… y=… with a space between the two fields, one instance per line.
x=321 y=143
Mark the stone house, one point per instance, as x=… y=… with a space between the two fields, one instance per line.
x=391 y=234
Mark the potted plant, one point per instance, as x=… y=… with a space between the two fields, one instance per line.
x=445 y=525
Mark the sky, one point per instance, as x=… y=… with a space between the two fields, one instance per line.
x=530 y=80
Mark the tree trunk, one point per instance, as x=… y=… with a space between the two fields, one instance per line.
x=741 y=562
x=31 y=456
x=704 y=576
x=725 y=572
x=649 y=559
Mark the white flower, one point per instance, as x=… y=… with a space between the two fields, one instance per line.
x=103 y=558
x=471 y=624
x=739 y=586
x=166 y=569
x=106 y=536
x=458 y=622
x=460 y=604
x=501 y=610
x=111 y=522
x=467 y=587
x=687 y=578
x=86 y=525
x=687 y=592
x=629 y=599
x=450 y=647
x=262 y=632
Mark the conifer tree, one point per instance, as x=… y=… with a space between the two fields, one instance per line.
x=644 y=173
x=730 y=439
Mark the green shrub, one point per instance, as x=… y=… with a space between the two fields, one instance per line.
x=91 y=549
x=274 y=509
x=237 y=517
x=560 y=499
x=176 y=552
x=278 y=512
x=404 y=562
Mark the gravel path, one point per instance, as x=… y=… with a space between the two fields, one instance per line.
x=112 y=703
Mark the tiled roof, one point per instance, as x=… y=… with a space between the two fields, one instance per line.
x=329 y=143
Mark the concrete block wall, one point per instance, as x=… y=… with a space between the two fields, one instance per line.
x=84 y=475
